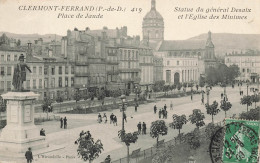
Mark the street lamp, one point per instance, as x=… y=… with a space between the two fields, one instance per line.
x=123 y=111
x=247 y=85
x=207 y=91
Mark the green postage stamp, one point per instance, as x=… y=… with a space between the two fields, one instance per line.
x=241 y=141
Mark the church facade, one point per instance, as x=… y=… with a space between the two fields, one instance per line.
x=183 y=61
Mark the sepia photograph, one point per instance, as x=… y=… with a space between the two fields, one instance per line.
x=129 y=81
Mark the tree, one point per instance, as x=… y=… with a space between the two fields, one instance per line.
x=212 y=109
x=128 y=138
x=18 y=42
x=252 y=114
x=2 y=107
x=59 y=99
x=255 y=99
x=211 y=130
x=193 y=140
x=46 y=103
x=246 y=100
x=158 y=85
x=179 y=87
x=197 y=118
x=158 y=128
x=225 y=106
x=202 y=82
x=88 y=150
x=77 y=97
x=233 y=72
x=184 y=86
x=178 y=122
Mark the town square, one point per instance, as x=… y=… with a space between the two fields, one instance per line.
x=103 y=95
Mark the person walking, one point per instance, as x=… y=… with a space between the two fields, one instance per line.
x=139 y=126
x=29 y=155
x=163 y=113
x=171 y=106
x=202 y=101
x=99 y=118
x=144 y=129
x=65 y=122
x=136 y=107
x=42 y=132
x=105 y=118
x=115 y=120
x=165 y=107
x=154 y=109
x=166 y=113
x=112 y=118
x=61 y=122
x=160 y=113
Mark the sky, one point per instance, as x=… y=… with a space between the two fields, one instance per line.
x=46 y=22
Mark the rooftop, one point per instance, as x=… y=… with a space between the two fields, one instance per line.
x=169 y=45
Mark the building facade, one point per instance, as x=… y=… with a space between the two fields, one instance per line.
x=248 y=63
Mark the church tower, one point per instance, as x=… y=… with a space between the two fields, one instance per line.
x=209 y=48
x=153 y=25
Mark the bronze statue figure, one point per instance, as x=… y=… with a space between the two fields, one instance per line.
x=20 y=74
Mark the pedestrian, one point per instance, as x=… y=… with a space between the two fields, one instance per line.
x=221 y=95
x=154 y=109
x=42 y=132
x=65 y=122
x=135 y=107
x=29 y=155
x=202 y=101
x=124 y=117
x=61 y=122
x=165 y=107
x=108 y=159
x=139 y=126
x=160 y=113
x=191 y=97
x=82 y=133
x=242 y=93
x=144 y=129
x=88 y=135
x=99 y=118
x=115 y=120
x=163 y=113
x=112 y=118
x=171 y=106
x=105 y=118
x=166 y=114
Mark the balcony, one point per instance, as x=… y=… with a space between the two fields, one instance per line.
x=130 y=70
x=82 y=74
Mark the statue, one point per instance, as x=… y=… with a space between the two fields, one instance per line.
x=20 y=74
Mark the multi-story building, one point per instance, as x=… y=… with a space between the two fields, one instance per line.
x=158 y=69
x=248 y=63
x=129 y=66
x=146 y=66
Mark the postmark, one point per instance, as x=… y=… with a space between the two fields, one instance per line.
x=237 y=141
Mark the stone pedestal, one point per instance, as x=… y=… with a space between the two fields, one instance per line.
x=20 y=133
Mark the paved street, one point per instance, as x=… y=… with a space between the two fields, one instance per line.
x=108 y=132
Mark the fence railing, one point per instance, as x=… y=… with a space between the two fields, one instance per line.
x=147 y=153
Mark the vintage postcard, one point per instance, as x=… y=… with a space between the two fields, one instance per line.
x=129 y=81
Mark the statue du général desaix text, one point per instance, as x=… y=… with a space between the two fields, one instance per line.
x=19 y=75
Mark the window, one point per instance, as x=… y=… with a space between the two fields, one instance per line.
x=40 y=70
x=53 y=70
x=178 y=62
x=8 y=85
x=45 y=70
x=45 y=83
x=2 y=58
x=53 y=83
x=15 y=57
x=72 y=82
x=248 y=70
x=60 y=81
x=66 y=70
x=2 y=85
x=8 y=58
x=40 y=83
x=2 y=71
x=9 y=69
x=34 y=70
x=66 y=81
x=44 y=94
x=72 y=69
x=28 y=84
x=243 y=70
x=34 y=84
x=60 y=70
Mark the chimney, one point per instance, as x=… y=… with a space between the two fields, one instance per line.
x=29 y=49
